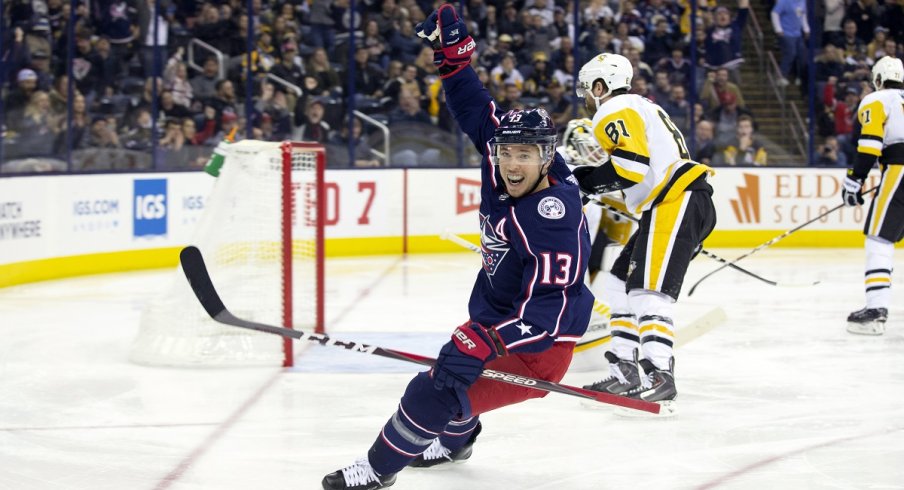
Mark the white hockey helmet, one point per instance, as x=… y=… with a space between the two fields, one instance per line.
x=887 y=69
x=614 y=69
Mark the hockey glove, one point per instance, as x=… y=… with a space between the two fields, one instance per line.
x=448 y=35
x=599 y=180
x=461 y=360
x=851 y=190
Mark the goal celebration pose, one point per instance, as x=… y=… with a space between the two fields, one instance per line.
x=529 y=304
x=881 y=115
x=649 y=162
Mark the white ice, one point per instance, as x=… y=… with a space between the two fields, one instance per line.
x=778 y=396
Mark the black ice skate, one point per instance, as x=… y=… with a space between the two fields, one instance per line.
x=868 y=321
x=658 y=386
x=438 y=454
x=359 y=476
x=623 y=377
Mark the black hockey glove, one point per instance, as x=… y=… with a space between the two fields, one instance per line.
x=852 y=190
x=461 y=360
x=599 y=180
x=449 y=38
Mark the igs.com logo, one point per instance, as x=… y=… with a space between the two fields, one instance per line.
x=149 y=217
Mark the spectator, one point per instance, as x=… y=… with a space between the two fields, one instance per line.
x=723 y=40
x=509 y=23
x=844 y=113
x=80 y=123
x=641 y=69
x=660 y=41
x=877 y=45
x=540 y=77
x=152 y=31
x=893 y=18
x=851 y=42
x=139 y=135
x=633 y=19
x=118 y=22
x=744 y=149
x=320 y=67
x=368 y=76
x=540 y=35
x=506 y=72
x=19 y=97
x=375 y=43
x=598 y=13
x=173 y=135
x=101 y=135
x=175 y=78
x=662 y=88
x=623 y=39
x=169 y=108
x=337 y=150
x=864 y=13
x=558 y=106
x=831 y=24
x=86 y=71
x=677 y=107
x=565 y=74
x=314 y=128
x=204 y=85
x=403 y=44
x=726 y=118
x=677 y=66
x=830 y=155
x=561 y=27
x=287 y=68
x=829 y=64
x=408 y=110
x=789 y=19
x=704 y=144
x=715 y=86
x=323 y=33
x=38 y=127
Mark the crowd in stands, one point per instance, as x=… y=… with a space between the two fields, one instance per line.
x=300 y=66
x=852 y=35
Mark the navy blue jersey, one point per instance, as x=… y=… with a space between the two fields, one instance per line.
x=535 y=248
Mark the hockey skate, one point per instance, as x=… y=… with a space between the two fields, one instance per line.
x=623 y=377
x=359 y=476
x=438 y=454
x=656 y=385
x=868 y=321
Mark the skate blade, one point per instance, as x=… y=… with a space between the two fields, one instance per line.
x=668 y=408
x=872 y=328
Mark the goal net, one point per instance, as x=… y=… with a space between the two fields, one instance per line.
x=262 y=239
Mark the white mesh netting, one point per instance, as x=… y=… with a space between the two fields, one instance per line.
x=241 y=237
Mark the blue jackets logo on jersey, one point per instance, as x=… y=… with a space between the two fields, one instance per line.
x=492 y=248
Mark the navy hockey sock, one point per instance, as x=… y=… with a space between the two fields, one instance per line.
x=423 y=414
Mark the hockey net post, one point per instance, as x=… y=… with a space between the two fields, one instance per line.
x=262 y=229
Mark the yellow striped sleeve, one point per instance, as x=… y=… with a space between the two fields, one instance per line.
x=623 y=135
x=872 y=118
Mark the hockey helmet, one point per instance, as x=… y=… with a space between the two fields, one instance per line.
x=614 y=69
x=581 y=146
x=887 y=69
x=525 y=127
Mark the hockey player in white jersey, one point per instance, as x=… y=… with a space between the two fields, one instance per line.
x=881 y=116
x=649 y=162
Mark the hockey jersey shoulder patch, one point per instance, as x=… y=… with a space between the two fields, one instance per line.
x=551 y=207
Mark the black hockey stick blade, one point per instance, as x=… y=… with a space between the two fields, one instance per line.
x=198 y=277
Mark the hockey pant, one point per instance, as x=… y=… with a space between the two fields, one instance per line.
x=884 y=226
x=425 y=413
x=649 y=273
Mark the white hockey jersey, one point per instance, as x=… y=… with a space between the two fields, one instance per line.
x=881 y=116
x=646 y=148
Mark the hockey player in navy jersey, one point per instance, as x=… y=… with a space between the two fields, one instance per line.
x=529 y=304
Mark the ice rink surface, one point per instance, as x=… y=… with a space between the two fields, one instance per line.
x=779 y=396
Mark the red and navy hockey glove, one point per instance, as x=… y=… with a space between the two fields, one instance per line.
x=448 y=35
x=461 y=360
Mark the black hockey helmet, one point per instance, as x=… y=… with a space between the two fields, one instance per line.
x=526 y=127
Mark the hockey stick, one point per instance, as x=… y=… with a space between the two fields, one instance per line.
x=196 y=272
x=707 y=253
x=774 y=240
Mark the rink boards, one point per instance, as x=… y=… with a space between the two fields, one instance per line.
x=58 y=226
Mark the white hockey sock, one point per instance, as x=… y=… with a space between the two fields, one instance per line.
x=654 y=322
x=879 y=262
x=622 y=322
